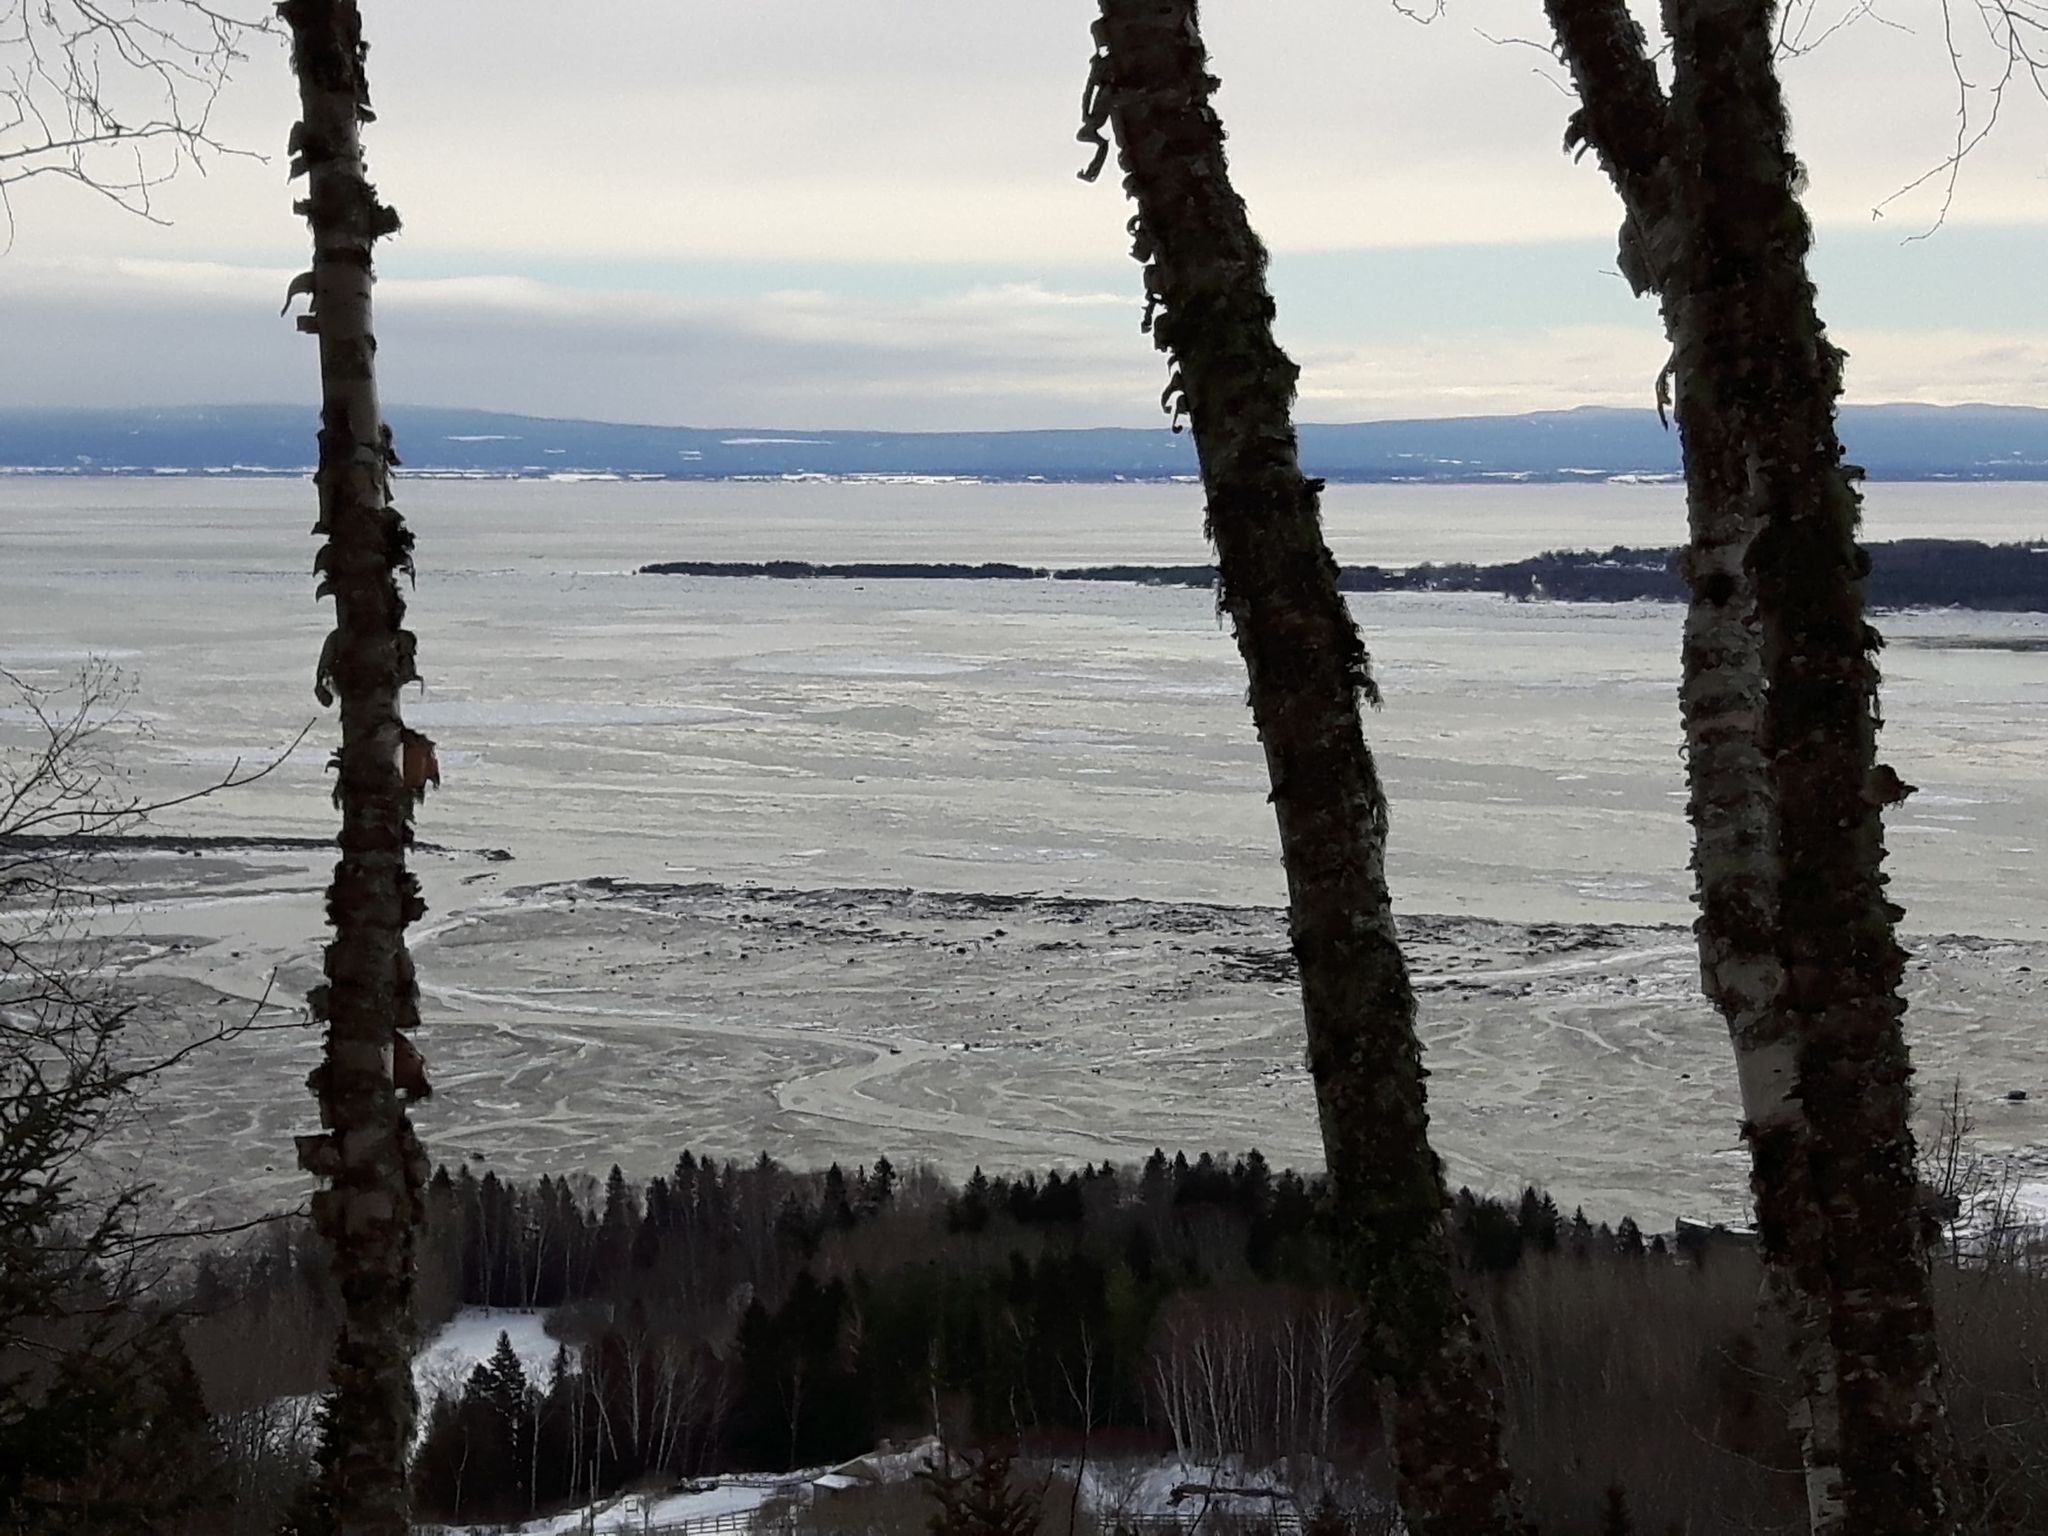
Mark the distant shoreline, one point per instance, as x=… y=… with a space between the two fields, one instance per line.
x=1589 y=445
x=1905 y=573
x=2023 y=474
x=889 y=477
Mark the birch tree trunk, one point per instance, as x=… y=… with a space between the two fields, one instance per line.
x=373 y=1165
x=1208 y=308
x=1779 y=700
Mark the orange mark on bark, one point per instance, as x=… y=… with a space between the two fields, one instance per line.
x=419 y=765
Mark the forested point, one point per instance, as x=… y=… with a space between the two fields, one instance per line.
x=1904 y=573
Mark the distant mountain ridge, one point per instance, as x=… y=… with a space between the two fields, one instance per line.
x=1892 y=442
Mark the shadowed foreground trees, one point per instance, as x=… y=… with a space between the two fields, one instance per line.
x=1796 y=936
x=1207 y=307
x=374 y=1168
x=101 y=1423
x=1200 y=1292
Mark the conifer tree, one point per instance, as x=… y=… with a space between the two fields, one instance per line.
x=1615 y=1519
x=979 y=1495
x=1628 y=1239
x=117 y=1438
x=1539 y=1220
x=504 y=1381
x=882 y=1183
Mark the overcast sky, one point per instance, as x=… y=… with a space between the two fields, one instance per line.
x=842 y=213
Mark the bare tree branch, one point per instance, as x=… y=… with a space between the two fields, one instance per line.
x=2013 y=52
x=78 y=1050
x=115 y=95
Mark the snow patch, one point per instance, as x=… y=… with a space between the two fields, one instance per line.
x=635 y=1513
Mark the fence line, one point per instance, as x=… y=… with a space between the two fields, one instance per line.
x=735 y=1523
x=1279 y=1522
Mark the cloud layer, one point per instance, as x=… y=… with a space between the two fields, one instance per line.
x=788 y=212
x=933 y=131
x=129 y=332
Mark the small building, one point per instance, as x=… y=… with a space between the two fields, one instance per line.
x=1694 y=1241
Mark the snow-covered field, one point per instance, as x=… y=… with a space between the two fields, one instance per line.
x=1117 y=1488
x=1114 y=1487
x=633 y=1514
x=2030 y=1201
x=714 y=1501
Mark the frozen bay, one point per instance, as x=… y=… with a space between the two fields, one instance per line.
x=995 y=738
x=985 y=736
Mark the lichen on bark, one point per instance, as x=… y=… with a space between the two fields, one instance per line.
x=367 y=1155
x=1779 y=699
x=1208 y=308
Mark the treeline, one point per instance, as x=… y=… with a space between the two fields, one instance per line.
x=1905 y=573
x=744 y=1316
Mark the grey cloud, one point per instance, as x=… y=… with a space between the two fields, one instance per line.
x=1001 y=357
x=935 y=130
x=124 y=333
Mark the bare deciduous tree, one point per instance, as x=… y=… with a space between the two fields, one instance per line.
x=2011 y=51
x=1208 y=307
x=77 y=1048
x=1779 y=698
x=376 y=1172
x=114 y=95
x=84 y=1335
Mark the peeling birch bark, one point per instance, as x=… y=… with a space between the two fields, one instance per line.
x=374 y=1168
x=1779 y=702
x=1208 y=308
x=1775 y=378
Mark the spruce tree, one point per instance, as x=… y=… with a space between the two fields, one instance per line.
x=980 y=1495
x=882 y=1183
x=1615 y=1519
x=118 y=1438
x=504 y=1385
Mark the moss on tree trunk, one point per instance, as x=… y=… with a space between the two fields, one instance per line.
x=372 y=1164
x=1780 y=706
x=1209 y=309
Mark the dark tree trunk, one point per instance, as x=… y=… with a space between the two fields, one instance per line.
x=373 y=1165
x=1205 y=283
x=1780 y=705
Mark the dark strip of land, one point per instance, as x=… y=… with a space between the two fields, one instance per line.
x=1907 y=573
